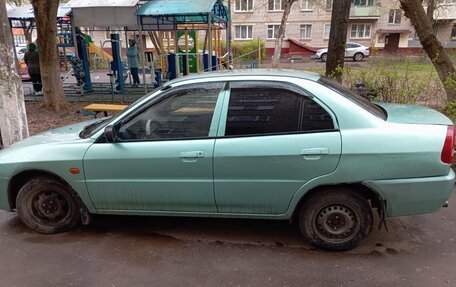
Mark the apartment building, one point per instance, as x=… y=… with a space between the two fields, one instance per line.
x=374 y=23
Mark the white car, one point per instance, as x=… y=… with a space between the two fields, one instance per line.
x=353 y=50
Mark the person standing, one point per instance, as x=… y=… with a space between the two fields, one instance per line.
x=132 y=56
x=32 y=60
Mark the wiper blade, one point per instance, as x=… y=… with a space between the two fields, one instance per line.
x=90 y=127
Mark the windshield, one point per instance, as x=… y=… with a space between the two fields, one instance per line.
x=93 y=128
x=354 y=97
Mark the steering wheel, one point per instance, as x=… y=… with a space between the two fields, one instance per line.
x=151 y=126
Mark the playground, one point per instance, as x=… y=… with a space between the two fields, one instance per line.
x=184 y=41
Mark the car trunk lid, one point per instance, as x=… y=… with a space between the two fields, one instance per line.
x=413 y=114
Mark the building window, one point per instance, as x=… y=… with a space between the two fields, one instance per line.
x=243 y=5
x=276 y=5
x=305 y=31
x=19 y=39
x=453 y=32
x=395 y=16
x=329 y=4
x=242 y=32
x=273 y=31
x=326 y=31
x=306 y=5
x=363 y=2
x=360 y=31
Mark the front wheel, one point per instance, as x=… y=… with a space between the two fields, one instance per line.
x=335 y=219
x=47 y=205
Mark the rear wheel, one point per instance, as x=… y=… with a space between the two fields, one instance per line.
x=47 y=205
x=324 y=57
x=335 y=219
x=358 y=57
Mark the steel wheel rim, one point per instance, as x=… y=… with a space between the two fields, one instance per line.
x=336 y=223
x=50 y=207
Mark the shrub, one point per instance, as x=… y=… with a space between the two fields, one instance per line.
x=399 y=82
x=248 y=50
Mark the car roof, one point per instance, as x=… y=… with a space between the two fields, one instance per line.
x=249 y=72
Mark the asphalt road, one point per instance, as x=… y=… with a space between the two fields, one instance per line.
x=145 y=251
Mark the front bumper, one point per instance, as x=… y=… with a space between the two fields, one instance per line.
x=413 y=196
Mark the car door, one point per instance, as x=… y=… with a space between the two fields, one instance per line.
x=350 y=50
x=272 y=140
x=162 y=160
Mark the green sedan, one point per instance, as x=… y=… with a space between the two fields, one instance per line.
x=256 y=144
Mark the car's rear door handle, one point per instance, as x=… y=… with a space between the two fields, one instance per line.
x=189 y=156
x=314 y=153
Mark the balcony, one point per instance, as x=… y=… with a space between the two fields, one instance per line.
x=364 y=12
x=445 y=11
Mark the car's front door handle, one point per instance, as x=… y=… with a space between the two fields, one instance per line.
x=314 y=153
x=189 y=156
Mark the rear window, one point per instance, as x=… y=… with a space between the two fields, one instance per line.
x=354 y=97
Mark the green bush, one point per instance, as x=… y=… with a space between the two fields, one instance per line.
x=399 y=82
x=248 y=50
x=451 y=110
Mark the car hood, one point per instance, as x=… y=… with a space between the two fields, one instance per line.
x=413 y=114
x=63 y=134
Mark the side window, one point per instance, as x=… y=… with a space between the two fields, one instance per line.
x=262 y=110
x=314 y=117
x=185 y=113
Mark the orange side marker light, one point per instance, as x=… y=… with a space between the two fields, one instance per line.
x=74 y=170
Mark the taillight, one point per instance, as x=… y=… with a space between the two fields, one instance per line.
x=448 y=147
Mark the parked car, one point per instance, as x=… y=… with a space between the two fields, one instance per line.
x=352 y=50
x=257 y=144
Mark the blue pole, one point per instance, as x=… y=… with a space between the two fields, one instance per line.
x=117 y=59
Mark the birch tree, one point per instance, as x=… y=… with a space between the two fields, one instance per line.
x=13 y=118
x=414 y=10
x=281 y=33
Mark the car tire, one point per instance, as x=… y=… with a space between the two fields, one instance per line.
x=47 y=205
x=335 y=219
x=324 y=57
x=358 y=57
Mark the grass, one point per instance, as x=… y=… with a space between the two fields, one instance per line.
x=397 y=80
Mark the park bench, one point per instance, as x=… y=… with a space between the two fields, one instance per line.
x=95 y=109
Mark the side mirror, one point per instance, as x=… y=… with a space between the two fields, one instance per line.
x=111 y=133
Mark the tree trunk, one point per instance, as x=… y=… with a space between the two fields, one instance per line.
x=13 y=118
x=431 y=5
x=155 y=40
x=337 y=39
x=431 y=45
x=46 y=27
x=28 y=29
x=281 y=34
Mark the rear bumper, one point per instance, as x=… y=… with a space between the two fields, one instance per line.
x=414 y=195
